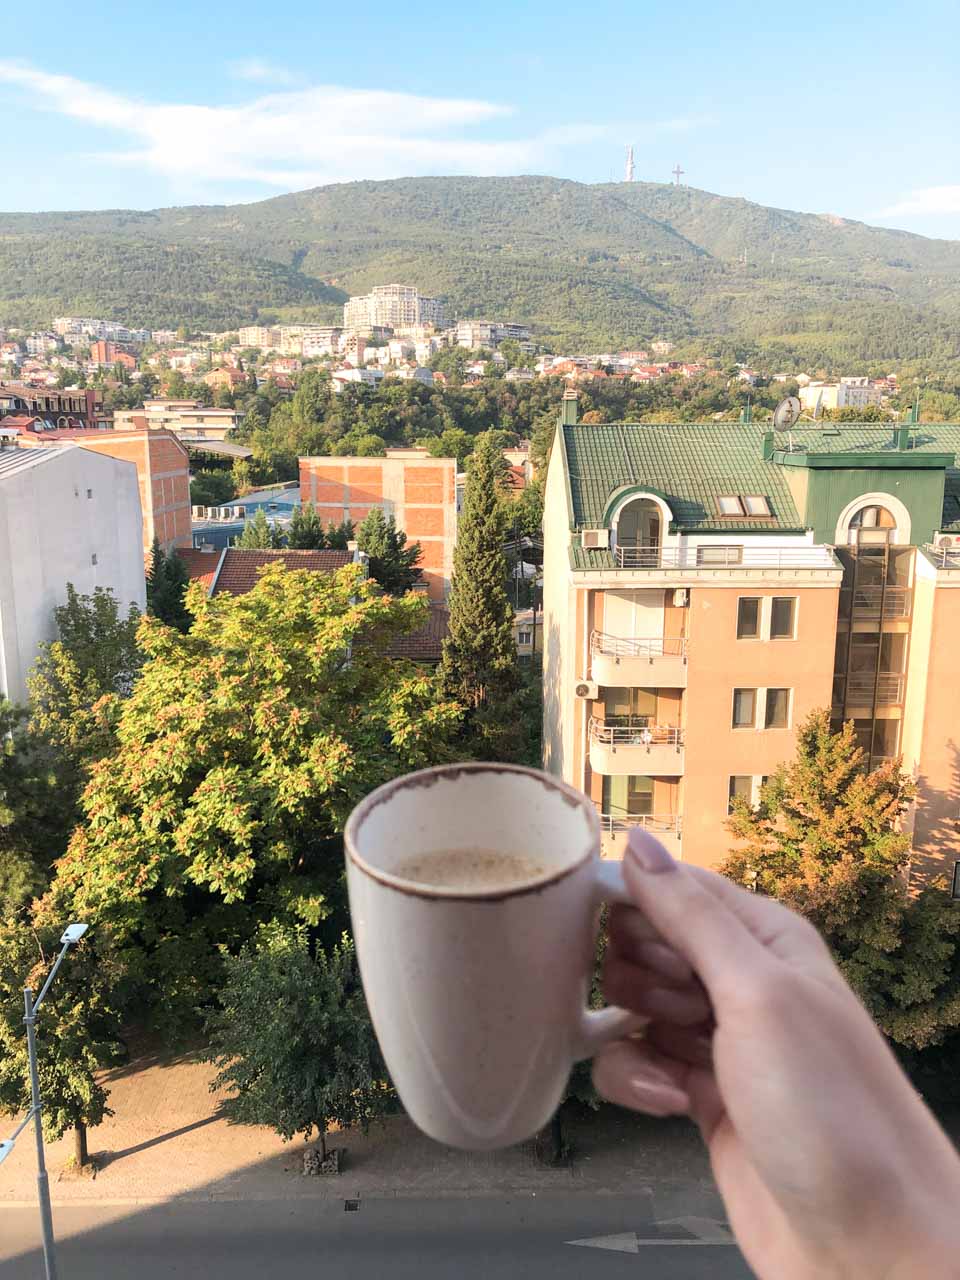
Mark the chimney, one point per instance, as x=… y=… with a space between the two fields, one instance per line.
x=568 y=408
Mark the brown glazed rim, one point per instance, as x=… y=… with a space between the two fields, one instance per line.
x=450 y=772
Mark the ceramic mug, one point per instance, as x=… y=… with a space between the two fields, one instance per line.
x=478 y=996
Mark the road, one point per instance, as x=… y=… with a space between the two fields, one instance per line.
x=386 y=1239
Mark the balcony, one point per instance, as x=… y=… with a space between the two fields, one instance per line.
x=648 y=663
x=874 y=602
x=616 y=829
x=861 y=687
x=635 y=745
x=724 y=556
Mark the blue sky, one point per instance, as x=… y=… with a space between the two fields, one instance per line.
x=827 y=107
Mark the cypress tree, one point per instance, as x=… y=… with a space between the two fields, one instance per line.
x=259 y=534
x=479 y=666
x=167 y=582
x=392 y=562
x=306 y=530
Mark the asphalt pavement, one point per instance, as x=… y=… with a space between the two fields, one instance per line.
x=549 y=1237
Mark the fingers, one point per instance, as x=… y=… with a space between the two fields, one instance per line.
x=691 y=1044
x=692 y=917
x=633 y=1074
x=633 y=937
x=643 y=991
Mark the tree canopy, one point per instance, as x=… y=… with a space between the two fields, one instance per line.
x=392 y=562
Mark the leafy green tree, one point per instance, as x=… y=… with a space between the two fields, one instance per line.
x=454 y=442
x=479 y=666
x=79 y=679
x=241 y=477
x=76 y=1030
x=259 y=534
x=37 y=809
x=292 y=1038
x=825 y=839
x=305 y=531
x=167 y=582
x=212 y=488
x=392 y=562
x=241 y=751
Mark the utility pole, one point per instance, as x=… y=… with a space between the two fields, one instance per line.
x=72 y=934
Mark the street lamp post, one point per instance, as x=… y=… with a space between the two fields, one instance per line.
x=73 y=933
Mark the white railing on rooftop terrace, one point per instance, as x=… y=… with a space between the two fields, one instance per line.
x=723 y=556
x=661 y=824
x=615 y=647
x=944 y=557
x=634 y=731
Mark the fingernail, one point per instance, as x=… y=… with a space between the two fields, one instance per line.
x=657 y=1099
x=648 y=853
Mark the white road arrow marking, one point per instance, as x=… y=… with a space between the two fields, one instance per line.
x=704 y=1230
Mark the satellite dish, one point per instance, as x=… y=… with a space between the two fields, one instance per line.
x=786 y=413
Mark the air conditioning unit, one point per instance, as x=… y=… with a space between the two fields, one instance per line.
x=595 y=539
x=587 y=689
x=681 y=597
x=945 y=540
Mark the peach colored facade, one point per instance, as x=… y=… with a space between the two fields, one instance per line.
x=163 y=472
x=419 y=491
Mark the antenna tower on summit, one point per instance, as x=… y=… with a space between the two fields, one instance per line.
x=628 y=177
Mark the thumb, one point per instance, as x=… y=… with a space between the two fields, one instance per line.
x=695 y=921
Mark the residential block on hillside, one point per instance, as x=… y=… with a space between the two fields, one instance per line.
x=393 y=306
x=706 y=587
x=418 y=490
x=185 y=418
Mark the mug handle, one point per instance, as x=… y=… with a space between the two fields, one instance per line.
x=600 y=1026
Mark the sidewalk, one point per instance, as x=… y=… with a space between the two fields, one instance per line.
x=169 y=1139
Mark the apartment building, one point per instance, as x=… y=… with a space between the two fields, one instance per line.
x=66 y=515
x=66 y=409
x=418 y=490
x=848 y=393
x=163 y=473
x=706 y=587
x=262 y=337
x=187 y=419
x=393 y=306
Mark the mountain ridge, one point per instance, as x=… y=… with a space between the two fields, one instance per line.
x=588 y=265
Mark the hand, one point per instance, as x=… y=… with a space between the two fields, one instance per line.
x=828 y=1162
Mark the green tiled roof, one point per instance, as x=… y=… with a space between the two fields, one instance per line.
x=690 y=464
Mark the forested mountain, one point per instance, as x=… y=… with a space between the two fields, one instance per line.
x=593 y=266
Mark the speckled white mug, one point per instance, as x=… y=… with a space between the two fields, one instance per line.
x=478 y=997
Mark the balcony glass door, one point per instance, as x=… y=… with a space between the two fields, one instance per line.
x=630 y=706
x=628 y=797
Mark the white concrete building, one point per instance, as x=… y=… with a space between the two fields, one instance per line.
x=848 y=393
x=393 y=306
x=66 y=515
x=367 y=377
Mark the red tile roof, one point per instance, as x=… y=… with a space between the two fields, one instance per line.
x=201 y=565
x=426 y=643
x=239 y=567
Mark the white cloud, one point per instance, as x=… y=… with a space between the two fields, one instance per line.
x=326 y=133
x=925 y=200
x=257 y=69
x=304 y=136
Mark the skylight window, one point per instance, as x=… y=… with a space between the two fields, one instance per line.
x=756 y=505
x=730 y=505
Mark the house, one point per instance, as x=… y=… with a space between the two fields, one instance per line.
x=365 y=377
x=70 y=408
x=66 y=515
x=848 y=393
x=225 y=377
x=528 y=633
x=708 y=585
x=418 y=490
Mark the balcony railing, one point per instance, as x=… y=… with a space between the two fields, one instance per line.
x=634 y=731
x=723 y=557
x=659 y=824
x=618 y=647
x=860 y=688
x=944 y=557
x=894 y=601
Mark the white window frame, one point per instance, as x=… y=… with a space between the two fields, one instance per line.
x=777 y=728
x=756 y=785
x=765 y=631
x=760 y=710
